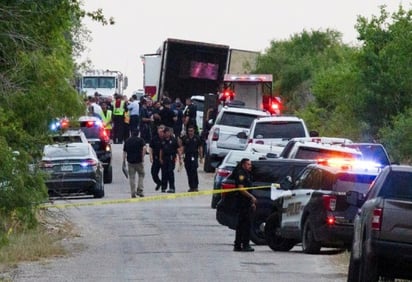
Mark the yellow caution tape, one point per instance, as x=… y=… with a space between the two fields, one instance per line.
x=166 y=196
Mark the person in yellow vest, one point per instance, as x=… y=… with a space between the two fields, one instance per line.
x=107 y=119
x=126 y=120
x=119 y=108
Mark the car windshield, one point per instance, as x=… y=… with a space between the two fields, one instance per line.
x=372 y=152
x=66 y=151
x=309 y=153
x=353 y=182
x=90 y=129
x=67 y=139
x=237 y=119
x=98 y=82
x=279 y=129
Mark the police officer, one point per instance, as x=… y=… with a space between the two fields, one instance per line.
x=119 y=109
x=190 y=115
x=155 y=146
x=169 y=149
x=193 y=149
x=246 y=203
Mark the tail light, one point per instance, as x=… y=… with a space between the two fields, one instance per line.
x=45 y=164
x=223 y=172
x=377 y=219
x=329 y=202
x=215 y=135
x=227 y=186
x=89 y=162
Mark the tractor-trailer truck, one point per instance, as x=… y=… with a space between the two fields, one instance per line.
x=189 y=68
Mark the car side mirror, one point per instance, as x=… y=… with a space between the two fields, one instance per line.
x=241 y=135
x=271 y=155
x=276 y=192
x=313 y=133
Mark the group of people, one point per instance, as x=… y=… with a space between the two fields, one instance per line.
x=170 y=134
x=168 y=143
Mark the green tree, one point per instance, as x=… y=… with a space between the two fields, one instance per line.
x=38 y=42
x=384 y=66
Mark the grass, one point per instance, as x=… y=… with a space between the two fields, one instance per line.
x=44 y=241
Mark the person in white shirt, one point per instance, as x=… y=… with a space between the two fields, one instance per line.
x=134 y=113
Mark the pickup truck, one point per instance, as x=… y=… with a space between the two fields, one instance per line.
x=265 y=172
x=382 y=243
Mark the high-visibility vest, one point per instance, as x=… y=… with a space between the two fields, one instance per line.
x=107 y=119
x=120 y=110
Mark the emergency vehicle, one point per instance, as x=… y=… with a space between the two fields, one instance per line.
x=319 y=208
x=254 y=90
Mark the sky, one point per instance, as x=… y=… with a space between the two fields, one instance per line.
x=141 y=26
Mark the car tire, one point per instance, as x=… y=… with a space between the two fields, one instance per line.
x=257 y=230
x=354 y=269
x=99 y=190
x=309 y=244
x=215 y=199
x=108 y=174
x=207 y=165
x=368 y=266
x=273 y=239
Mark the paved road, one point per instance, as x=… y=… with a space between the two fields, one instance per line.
x=168 y=240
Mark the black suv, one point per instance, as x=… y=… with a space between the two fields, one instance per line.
x=319 y=208
x=96 y=135
x=265 y=172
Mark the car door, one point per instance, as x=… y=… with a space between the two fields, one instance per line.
x=293 y=205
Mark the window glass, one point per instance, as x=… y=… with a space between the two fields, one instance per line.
x=199 y=105
x=317 y=153
x=398 y=185
x=282 y=130
x=106 y=82
x=237 y=119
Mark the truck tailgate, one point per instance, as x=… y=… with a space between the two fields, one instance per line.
x=397 y=221
x=228 y=138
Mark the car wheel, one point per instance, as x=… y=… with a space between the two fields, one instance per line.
x=368 y=266
x=273 y=238
x=215 y=199
x=99 y=190
x=309 y=244
x=257 y=230
x=207 y=165
x=108 y=174
x=354 y=269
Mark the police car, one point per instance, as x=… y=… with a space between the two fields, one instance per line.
x=318 y=209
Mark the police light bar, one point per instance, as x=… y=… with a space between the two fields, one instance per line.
x=349 y=164
x=248 y=77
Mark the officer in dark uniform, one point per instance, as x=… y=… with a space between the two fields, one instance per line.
x=169 y=149
x=193 y=149
x=246 y=203
x=190 y=115
x=155 y=146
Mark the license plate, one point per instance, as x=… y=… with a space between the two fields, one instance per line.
x=67 y=168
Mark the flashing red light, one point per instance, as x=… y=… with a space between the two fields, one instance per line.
x=64 y=123
x=330 y=220
x=89 y=123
